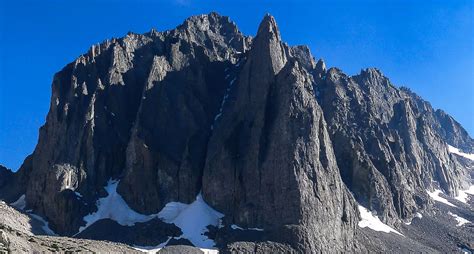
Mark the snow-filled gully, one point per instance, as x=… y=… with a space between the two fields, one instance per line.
x=231 y=79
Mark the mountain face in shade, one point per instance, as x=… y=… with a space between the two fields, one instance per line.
x=269 y=137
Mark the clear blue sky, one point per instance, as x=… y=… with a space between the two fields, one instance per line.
x=425 y=45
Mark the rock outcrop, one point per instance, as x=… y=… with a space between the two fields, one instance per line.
x=22 y=233
x=269 y=136
x=270 y=162
x=389 y=143
x=5 y=176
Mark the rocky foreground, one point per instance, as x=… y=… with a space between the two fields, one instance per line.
x=203 y=136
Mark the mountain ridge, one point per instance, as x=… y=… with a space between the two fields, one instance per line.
x=269 y=136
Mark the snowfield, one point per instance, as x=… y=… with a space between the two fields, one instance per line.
x=461 y=221
x=455 y=150
x=435 y=196
x=463 y=194
x=115 y=208
x=45 y=227
x=20 y=203
x=193 y=220
x=373 y=222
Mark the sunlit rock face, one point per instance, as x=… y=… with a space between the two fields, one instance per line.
x=388 y=143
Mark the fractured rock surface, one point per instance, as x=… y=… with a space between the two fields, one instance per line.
x=271 y=138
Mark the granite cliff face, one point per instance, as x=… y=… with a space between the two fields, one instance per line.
x=389 y=143
x=270 y=162
x=270 y=138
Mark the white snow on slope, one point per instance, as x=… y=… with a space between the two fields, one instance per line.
x=373 y=222
x=417 y=215
x=463 y=197
x=115 y=208
x=224 y=99
x=235 y=227
x=209 y=251
x=152 y=249
x=455 y=150
x=20 y=203
x=461 y=221
x=45 y=226
x=146 y=249
x=435 y=196
x=192 y=219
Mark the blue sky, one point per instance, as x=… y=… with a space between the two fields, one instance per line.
x=425 y=45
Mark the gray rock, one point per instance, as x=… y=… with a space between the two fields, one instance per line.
x=151 y=233
x=270 y=162
x=387 y=143
x=272 y=138
x=180 y=249
x=19 y=234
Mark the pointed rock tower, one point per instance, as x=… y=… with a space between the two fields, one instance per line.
x=270 y=162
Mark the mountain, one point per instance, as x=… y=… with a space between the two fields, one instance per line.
x=204 y=136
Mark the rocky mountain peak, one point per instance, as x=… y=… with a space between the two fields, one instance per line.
x=208 y=22
x=251 y=126
x=268 y=28
x=321 y=65
x=267 y=49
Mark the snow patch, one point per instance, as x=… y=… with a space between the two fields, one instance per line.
x=455 y=150
x=20 y=203
x=78 y=195
x=465 y=250
x=224 y=100
x=45 y=226
x=152 y=249
x=115 y=208
x=233 y=226
x=417 y=215
x=193 y=220
x=461 y=221
x=373 y=222
x=209 y=251
x=463 y=197
x=435 y=196
x=218 y=116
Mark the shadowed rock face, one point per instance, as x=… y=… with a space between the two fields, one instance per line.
x=270 y=162
x=271 y=138
x=5 y=175
x=137 y=108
